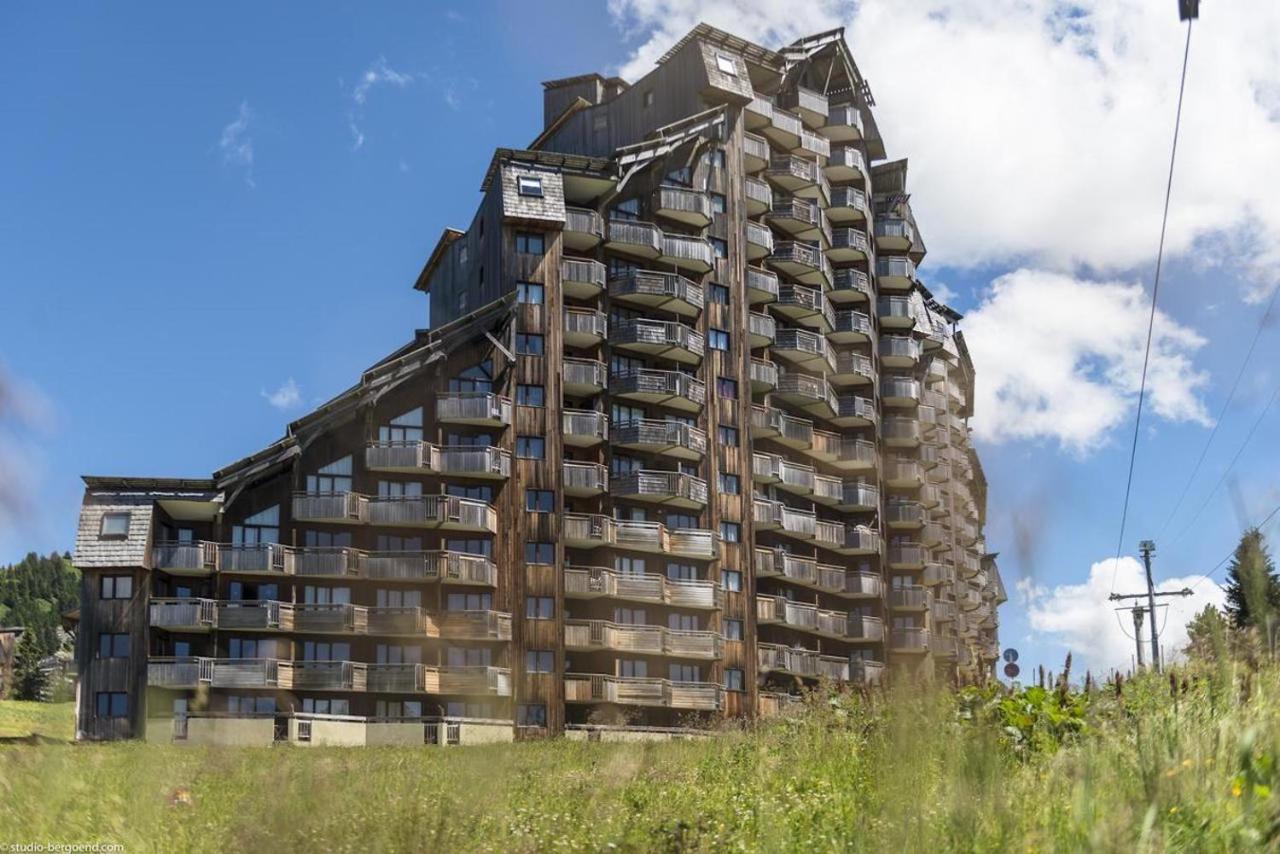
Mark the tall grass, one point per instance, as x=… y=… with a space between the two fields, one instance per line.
x=1151 y=767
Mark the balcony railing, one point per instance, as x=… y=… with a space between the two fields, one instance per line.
x=894 y=270
x=844 y=121
x=580 y=278
x=807 y=305
x=851 y=197
x=661 y=486
x=331 y=619
x=193 y=557
x=471 y=407
x=642 y=238
x=329 y=507
x=811 y=106
x=899 y=347
x=185 y=672
x=684 y=205
x=900 y=388
x=188 y=614
x=650 y=640
x=853 y=283
x=909 y=640
x=584 y=223
x=908 y=554
x=909 y=598
x=433 y=511
x=451 y=566
x=665 y=338
x=585 y=478
x=895 y=232
x=756 y=148
x=853 y=365
x=843 y=161
x=639 y=691
x=584 y=426
x=661 y=436
x=694 y=253
x=581 y=326
x=584 y=376
x=764 y=375
x=759 y=240
x=851 y=326
x=591 y=582
x=849 y=243
x=801 y=662
x=666 y=291
x=260 y=558
x=762 y=283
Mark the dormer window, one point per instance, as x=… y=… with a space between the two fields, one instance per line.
x=726 y=64
x=528 y=185
x=115 y=526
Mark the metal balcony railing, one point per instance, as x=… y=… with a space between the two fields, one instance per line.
x=644 y=237
x=657 y=289
x=583 y=221
x=659 y=333
x=659 y=435
x=666 y=384
x=660 y=486
x=585 y=424
x=471 y=406
x=197 y=556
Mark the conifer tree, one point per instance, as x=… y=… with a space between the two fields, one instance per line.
x=1253 y=591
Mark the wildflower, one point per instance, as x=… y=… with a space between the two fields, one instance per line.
x=1236 y=790
x=1172 y=772
x=1187 y=763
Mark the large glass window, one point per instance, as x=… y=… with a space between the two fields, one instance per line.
x=539 y=608
x=531 y=714
x=396 y=597
x=114 y=526
x=334 y=477
x=684 y=673
x=112 y=704
x=531 y=395
x=116 y=587
x=477 y=378
x=326 y=651
x=530 y=243
x=403 y=428
x=326 y=539
x=469 y=602
x=399 y=489
x=113 y=645
x=530 y=293
x=313 y=594
x=531 y=447
x=540 y=661
x=530 y=344
x=540 y=500
x=633 y=669
x=261 y=527
x=540 y=553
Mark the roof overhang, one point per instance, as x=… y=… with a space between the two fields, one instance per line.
x=447 y=237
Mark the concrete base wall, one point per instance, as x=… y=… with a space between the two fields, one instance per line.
x=230 y=732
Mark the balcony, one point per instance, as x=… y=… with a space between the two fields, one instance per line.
x=655 y=436
x=900 y=391
x=796 y=661
x=640 y=691
x=847 y=245
x=678 y=204
x=338 y=619
x=969 y=599
x=688 y=253
x=813 y=145
x=910 y=598
x=662 y=338
x=581 y=279
x=863 y=628
x=630 y=237
x=802 y=219
x=806 y=306
x=895 y=313
x=845 y=452
x=848 y=539
x=583 y=229
x=942 y=647
x=582 y=480
x=855 y=411
x=845 y=165
x=246 y=673
x=325 y=562
x=599 y=582
x=761 y=329
x=333 y=507
x=646 y=640
x=759 y=241
x=584 y=377
x=756 y=154
x=804 y=349
x=907 y=556
x=767 y=514
x=585 y=428
x=894 y=234
x=183 y=615
x=851 y=327
x=848 y=206
x=858 y=496
x=803 y=262
x=184 y=672
x=473 y=462
x=764 y=376
x=762 y=285
x=584 y=327
x=899 y=351
x=909 y=640
x=255 y=615
x=195 y=558
x=810 y=106
x=469 y=625
x=813 y=395
x=758 y=113
x=852 y=369
x=758 y=196
x=843 y=123
x=674 y=489
x=895 y=274
x=258 y=559
x=793 y=173
x=904 y=514
x=932 y=534
x=941 y=610
x=675 y=389
x=445 y=512
x=900 y=431
x=654 y=290
x=775 y=610
x=903 y=473
x=476 y=408
x=796 y=478
x=849 y=286
x=783 y=129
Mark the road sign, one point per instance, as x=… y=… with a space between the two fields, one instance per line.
x=1010 y=655
x=1011 y=670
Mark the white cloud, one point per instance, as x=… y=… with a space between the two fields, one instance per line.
x=1038 y=131
x=1080 y=618
x=287 y=396
x=379 y=73
x=236 y=144
x=1060 y=358
x=943 y=293
x=25 y=413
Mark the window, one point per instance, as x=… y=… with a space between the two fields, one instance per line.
x=633 y=669
x=718 y=293
x=647 y=98
x=468 y=602
x=731 y=580
x=678 y=521
x=682 y=176
x=325 y=706
x=403 y=709
x=540 y=553
x=393 y=543
x=718 y=202
x=394 y=597
x=683 y=622
x=539 y=608
x=403 y=428
x=476 y=493
x=540 y=500
x=628 y=210
x=530 y=243
x=725 y=63
x=727 y=388
x=730 y=532
x=326 y=651
x=528 y=185
x=729 y=484
x=684 y=673
x=113 y=645
x=719 y=247
x=530 y=714
x=261 y=527
x=717 y=339
x=399 y=489
x=333 y=478
x=326 y=539
x=116 y=587
x=531 y=447
x=114 y=526
x=540 y=661
x=531 y=395
x=733 y=629
x=529 y=344
x=628 y=565
x=316 y=595
x=682 y=572
x=530 y=293
x=728 y=435
x=475 y=378
x=251 y=705
x=733 y=679
x=630 y=616
x=112 y=704
x=715 y=158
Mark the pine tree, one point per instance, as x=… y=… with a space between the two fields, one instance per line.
x=28 y=679
x=1253 y=591
x=1207 y=634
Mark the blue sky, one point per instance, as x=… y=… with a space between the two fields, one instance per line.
x=200 y=206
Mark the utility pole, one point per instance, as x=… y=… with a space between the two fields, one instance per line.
x=1147 y=547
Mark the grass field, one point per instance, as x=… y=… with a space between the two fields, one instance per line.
x=52 y=720
x=1143 y=769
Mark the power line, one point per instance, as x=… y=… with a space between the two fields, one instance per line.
x=1186 y=488
x=1151 y=320
x=1223 y=562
